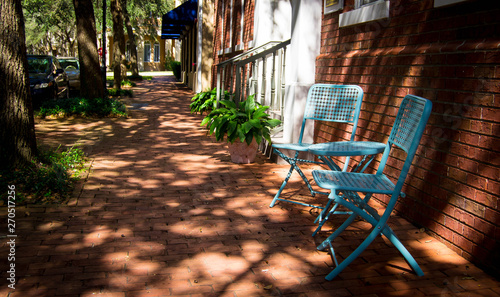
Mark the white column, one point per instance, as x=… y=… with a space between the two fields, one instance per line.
x=301 y=66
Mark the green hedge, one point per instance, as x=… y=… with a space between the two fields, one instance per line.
x=176 y=68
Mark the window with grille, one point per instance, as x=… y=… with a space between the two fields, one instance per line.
x=147 y=51
x=365 y=2
x=365 y=11
x=157 y=52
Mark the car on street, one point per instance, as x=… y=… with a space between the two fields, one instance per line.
x=48 y=80
x=72 y=67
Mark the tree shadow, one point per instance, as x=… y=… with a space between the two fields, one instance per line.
x=163 y=212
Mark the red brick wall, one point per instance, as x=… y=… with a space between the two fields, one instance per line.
x=451 y=56
x=236 y=28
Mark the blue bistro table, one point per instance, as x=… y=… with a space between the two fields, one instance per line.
x=326 y=151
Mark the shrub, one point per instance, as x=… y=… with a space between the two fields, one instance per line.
x=176 y=68
x=128 y=83
x=246 y=120
x=121 y=92
x=206 y=101
x=168 y=62
x=50 y=178
x=98 y=107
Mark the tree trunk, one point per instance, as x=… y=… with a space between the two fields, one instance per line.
x=17 y=132
x=118 y=42
x=131 y=38
x=90 y=72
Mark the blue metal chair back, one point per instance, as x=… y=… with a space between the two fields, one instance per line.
x=406 y=133
x=333 y=103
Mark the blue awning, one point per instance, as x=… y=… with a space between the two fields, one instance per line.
x=176 y=20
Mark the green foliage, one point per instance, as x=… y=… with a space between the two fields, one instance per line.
x=244 y=121
x=50 y=178
x=176 y=68
x=49 y=20
x=168 y=61
x=206 y=101
x=98 y=107
x=128 y=83
x=120 y=92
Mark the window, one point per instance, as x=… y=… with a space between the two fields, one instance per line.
x=333 y=5
x=439 y=3
x=147 y=51
x=360 y=3
x=157 y=53
x=366 y=11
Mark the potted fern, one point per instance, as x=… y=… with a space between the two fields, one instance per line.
x=243 y=125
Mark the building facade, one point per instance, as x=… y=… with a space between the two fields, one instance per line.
x=444 y=50
x=448 y=52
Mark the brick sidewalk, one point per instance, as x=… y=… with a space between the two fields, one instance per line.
x=164 y=212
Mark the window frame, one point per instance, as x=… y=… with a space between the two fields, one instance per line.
x=330 y=6
x=441 y=3
x=147 y=58
x=374 y=11
x=156 y=52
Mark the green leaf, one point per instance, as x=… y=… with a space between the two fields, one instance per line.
x=231 y=127
x=241 y=133
x=249 y=138
x=273 y=122
x=249 y=104
x=247 y=126
x=255 y=123
x=228 y=103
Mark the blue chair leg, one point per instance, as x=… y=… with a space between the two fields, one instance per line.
x=402 y=249
x=337 y=232
x=322 y=217
x=354 y=254
x=293 y=165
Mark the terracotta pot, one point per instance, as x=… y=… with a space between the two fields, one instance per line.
x=242 y=153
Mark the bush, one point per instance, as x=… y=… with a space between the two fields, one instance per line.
x=245 y=121
x=50 y=178
x=128 y=83
x=168 y=62
x=176 y=68
x=98 y=107
x=121 y=92
x=206 y=101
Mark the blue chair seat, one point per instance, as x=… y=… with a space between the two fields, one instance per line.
x=353 y=181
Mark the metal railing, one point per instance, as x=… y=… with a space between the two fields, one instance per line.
x=249 y=73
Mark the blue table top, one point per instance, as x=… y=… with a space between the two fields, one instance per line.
x=347 y=148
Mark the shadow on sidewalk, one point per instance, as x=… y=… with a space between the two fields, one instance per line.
x=164 y=212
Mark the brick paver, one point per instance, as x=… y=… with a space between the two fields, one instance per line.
x=163 y=212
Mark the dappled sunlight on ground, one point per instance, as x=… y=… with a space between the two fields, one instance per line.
x=163 y=212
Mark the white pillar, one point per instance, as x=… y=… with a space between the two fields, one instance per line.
x=301 y=66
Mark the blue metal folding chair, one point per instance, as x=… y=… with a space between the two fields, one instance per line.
x=345 y=186
x=325 y=102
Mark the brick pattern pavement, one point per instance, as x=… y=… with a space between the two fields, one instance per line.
x=163 y=212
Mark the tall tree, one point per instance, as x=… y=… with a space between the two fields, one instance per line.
x=51 y=21
x=118 y=42
x=131 y=38
x=90 y=73
x=17 y=132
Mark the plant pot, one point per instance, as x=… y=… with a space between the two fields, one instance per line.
x=242 y=153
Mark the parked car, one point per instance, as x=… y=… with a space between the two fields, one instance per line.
x=48 y=80
x=72 y=67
